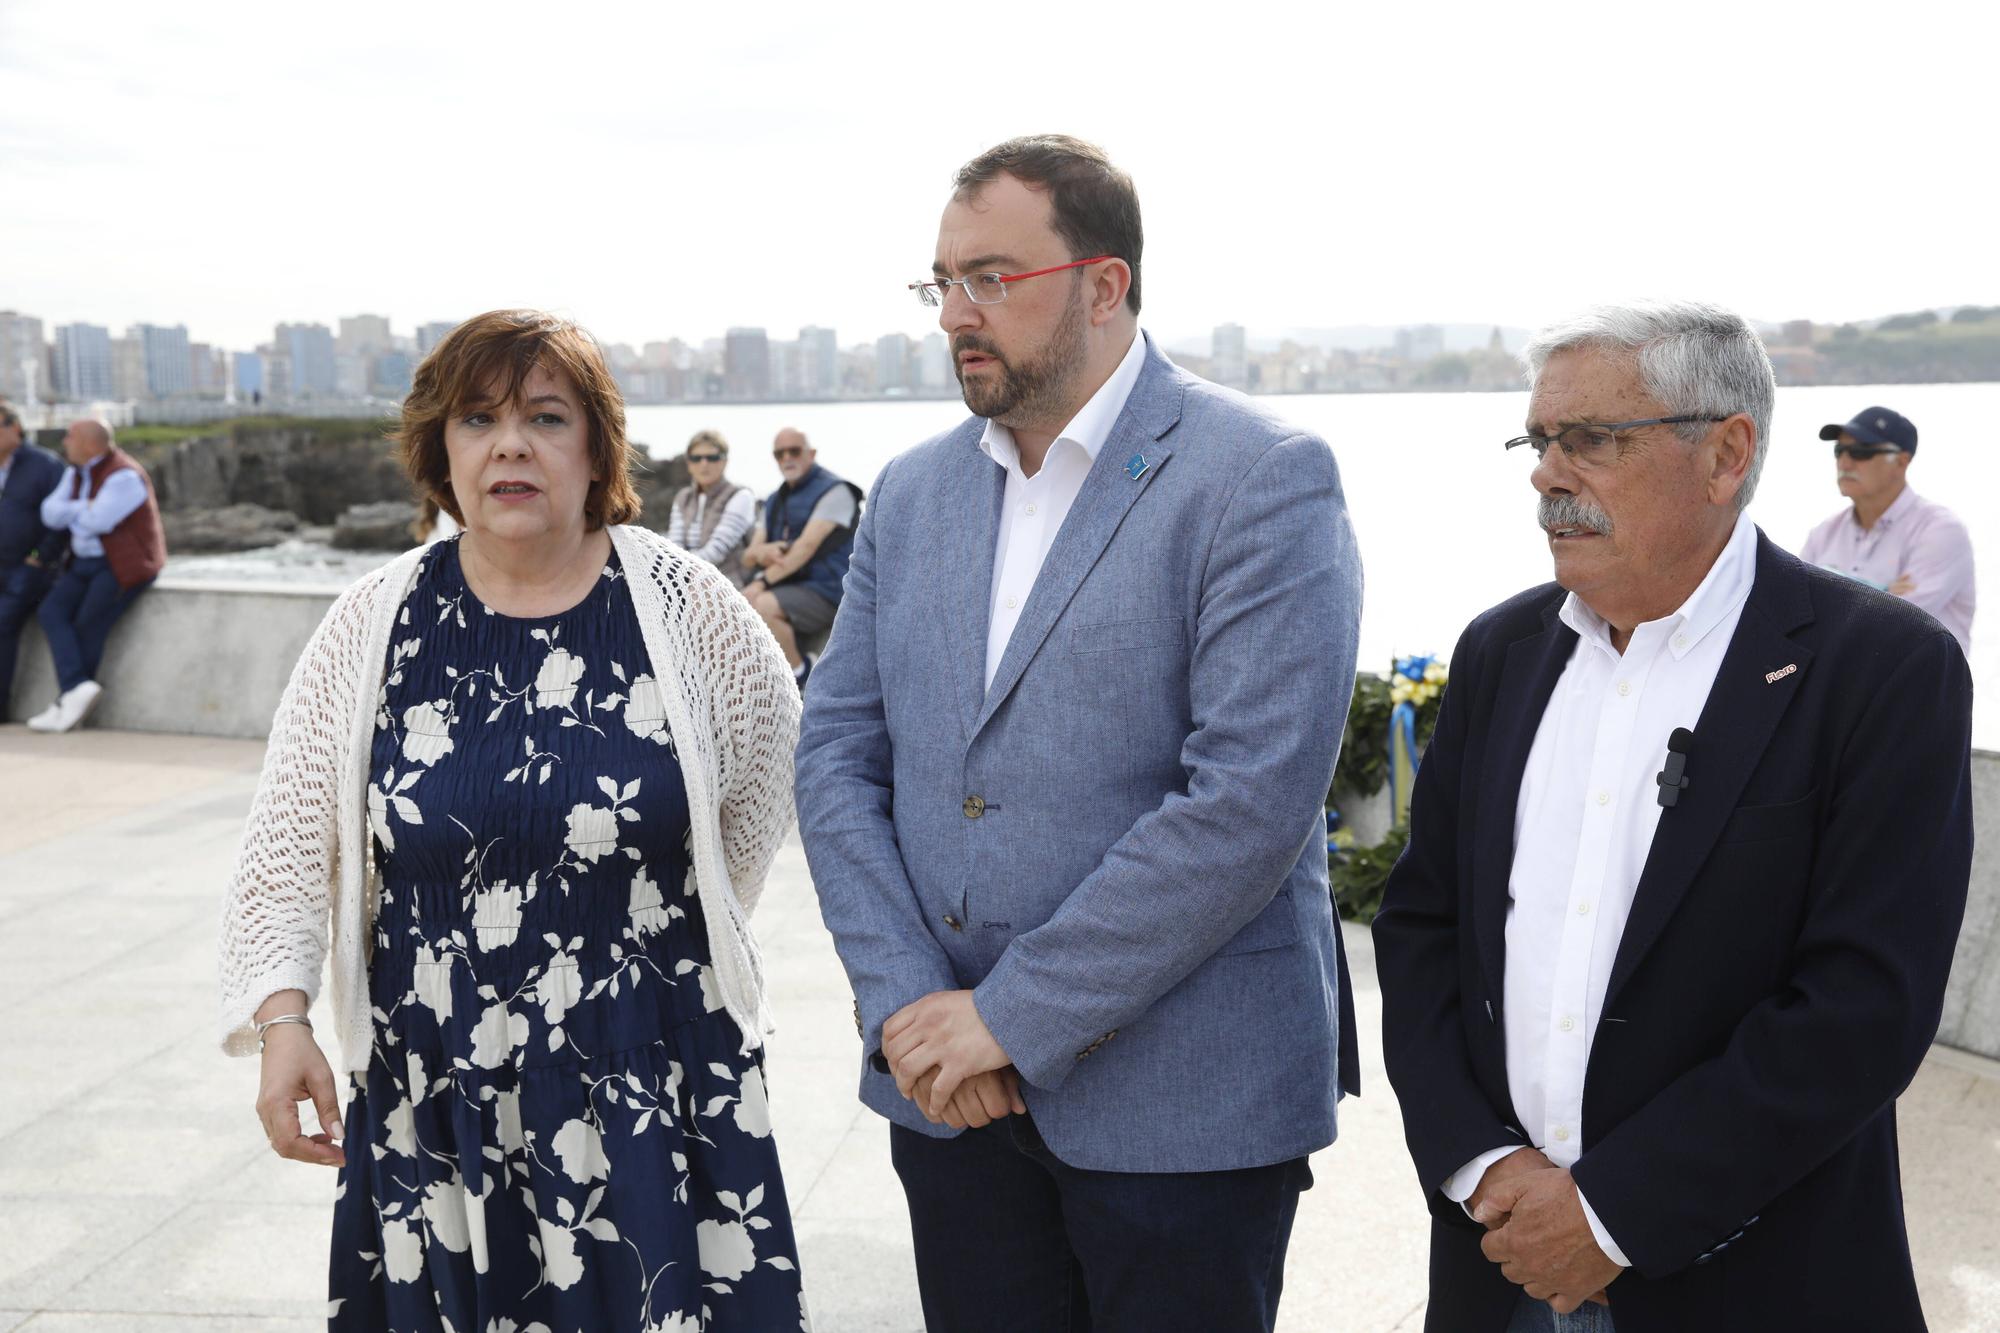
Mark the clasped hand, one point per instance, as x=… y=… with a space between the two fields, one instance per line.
x=1538 y=1234
x=948 y=1063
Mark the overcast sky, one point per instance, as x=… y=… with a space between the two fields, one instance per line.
x=675 y=169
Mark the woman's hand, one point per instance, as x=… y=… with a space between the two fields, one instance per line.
x=294 y=1069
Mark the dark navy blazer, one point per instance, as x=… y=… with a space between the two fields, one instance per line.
x=34 y=474
x=1779 y=981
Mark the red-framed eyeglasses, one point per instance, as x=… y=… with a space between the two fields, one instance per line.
x=988 y=288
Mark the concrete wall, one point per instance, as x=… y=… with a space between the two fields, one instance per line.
x=203 y=659
x=1972 y=998
x=211 y=660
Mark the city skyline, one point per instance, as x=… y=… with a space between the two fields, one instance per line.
x=362 y=357
x=362 y=360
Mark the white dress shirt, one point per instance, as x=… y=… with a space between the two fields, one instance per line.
x=87 y=518
x=1583 y=826
x=1035 y=507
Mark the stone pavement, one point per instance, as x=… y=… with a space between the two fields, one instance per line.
x=136 y=1192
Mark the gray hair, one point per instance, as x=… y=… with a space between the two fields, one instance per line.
x=1697 y=359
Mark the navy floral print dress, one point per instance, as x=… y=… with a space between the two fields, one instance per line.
x=557 y=1130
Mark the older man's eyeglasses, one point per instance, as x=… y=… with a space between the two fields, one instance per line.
x=988 y=288
x=789 y=451
x=1594 y=443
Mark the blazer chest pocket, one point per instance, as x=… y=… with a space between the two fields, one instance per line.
x=1272 y=928
x=1770 y=823
x=1110 y=636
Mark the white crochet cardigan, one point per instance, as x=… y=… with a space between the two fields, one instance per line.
x=730 y=703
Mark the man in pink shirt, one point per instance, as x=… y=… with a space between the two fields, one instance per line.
x=1893 y=538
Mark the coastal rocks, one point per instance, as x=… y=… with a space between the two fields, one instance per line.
x=314 y=469
x=236 y=527
x=381 y=526
x=254 y=484
x=657 y=480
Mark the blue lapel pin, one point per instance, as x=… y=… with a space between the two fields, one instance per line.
x=1136 y=467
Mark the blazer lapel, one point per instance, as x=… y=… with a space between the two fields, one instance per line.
x=966 y=575
x=1751 y=692
x=1107 y=495
x=1527 y=681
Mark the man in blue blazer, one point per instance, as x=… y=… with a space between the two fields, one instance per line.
x=1688 y=855
x=1061 y=779
x=29 y=549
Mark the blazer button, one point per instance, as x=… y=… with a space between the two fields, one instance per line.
x=974 y=807
x=952 y=921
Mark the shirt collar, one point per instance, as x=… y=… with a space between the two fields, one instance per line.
x=1899 y=507
x=1091 y=426
x=1722 y=592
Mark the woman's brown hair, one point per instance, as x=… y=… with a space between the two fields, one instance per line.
x=486 y=361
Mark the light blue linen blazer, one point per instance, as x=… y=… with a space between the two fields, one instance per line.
x=1119 y=846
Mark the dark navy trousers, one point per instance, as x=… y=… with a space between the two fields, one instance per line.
x=1010 y=1238
x=21 y=589
x=77 y=617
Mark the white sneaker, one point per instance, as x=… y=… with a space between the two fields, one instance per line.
x=46 y=719
x=74 y=706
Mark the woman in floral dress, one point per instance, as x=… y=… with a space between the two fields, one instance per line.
x=560 y=750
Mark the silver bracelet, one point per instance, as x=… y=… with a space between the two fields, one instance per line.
x=281 y=1018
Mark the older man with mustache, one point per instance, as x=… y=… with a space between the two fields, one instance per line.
x=1687 y=860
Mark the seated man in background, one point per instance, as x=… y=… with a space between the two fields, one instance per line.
x=798 y=567
x=29 y=548
x=1892 y=538
x=117 y=548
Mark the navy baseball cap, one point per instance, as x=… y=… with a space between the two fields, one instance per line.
x=1877 y=425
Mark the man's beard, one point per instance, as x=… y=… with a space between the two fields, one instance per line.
x=1037 y=388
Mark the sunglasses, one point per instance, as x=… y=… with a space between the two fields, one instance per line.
x=1861 y=453
x=704 y=458
x=790 y=451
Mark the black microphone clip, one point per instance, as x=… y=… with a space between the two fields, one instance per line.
x=1673 y=778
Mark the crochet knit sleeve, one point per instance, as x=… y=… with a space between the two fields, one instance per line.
x=754 y=714
x=275 y=913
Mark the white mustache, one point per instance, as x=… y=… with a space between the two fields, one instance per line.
x=1566 y=511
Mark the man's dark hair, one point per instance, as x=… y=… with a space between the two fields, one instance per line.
x=7 y=417
x=1096 y=206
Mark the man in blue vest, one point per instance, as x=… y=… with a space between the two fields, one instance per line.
x=29 y=549
x=798 y=567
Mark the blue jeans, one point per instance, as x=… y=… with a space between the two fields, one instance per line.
x=1010 y=1239
x=1533 y=1316
x=77 y=617
x=21 y=589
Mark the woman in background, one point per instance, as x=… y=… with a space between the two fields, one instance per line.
x=713 y=516
x=532 y=778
